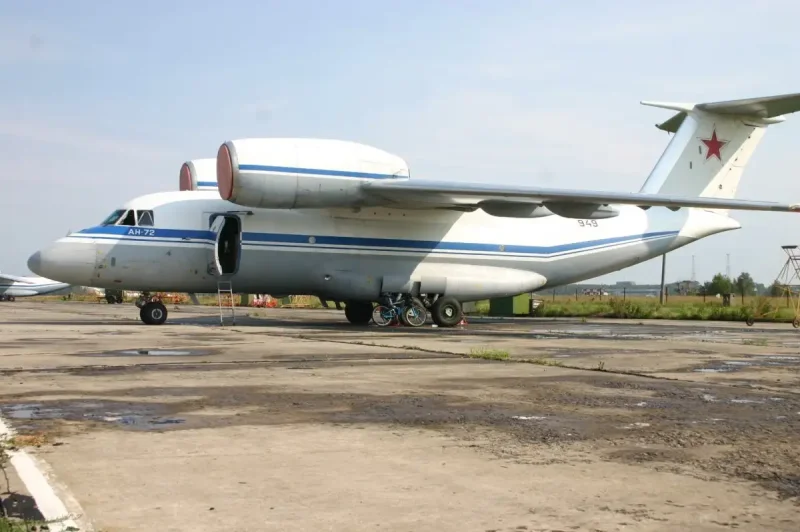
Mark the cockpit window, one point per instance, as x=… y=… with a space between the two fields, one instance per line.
x=114 y=217
x=146 y=218
x=129 y=219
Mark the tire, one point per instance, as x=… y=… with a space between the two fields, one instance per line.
x=12 y=298
x=111 y=299
x=153 y=313
x=446 y=312
x=358 y=312
x=750 y=321
x=415 y=315
x=796 y=323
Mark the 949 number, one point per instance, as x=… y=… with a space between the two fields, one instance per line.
x=587 y=223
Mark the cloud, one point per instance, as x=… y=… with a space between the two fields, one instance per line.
x=86 y=141
x=492 y=134
x=25 y=41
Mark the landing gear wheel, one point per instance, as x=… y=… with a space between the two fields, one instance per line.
x=358 y=312
x=153 y=313
x=796 y=323
x=12 y=298
x=750 y=321
x=446 y=311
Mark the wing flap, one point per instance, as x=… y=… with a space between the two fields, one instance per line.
x=446 y=194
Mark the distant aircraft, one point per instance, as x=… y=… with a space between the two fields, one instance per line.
x=12 y=286
x=345 y=222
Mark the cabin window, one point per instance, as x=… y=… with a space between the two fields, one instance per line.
x=146 y=218
x=114 y=217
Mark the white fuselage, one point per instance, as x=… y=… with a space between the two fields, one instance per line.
x=342 y=254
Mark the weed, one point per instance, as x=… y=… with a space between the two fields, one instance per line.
x=488 y=354
x=542 y=361
x=754 y=341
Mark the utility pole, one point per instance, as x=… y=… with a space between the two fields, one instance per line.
x=728 y=265
x=663 y=271
x=694 y=276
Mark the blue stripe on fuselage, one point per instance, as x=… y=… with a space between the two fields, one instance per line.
x=176 y=236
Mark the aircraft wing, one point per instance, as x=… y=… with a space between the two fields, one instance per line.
x=468 y=196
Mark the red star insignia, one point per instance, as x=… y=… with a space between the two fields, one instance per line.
x=714 y=145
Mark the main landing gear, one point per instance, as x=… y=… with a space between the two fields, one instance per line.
x=7 y=298
x=445 y=311
x=151 y=310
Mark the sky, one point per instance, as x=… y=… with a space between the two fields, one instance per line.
x=103 y=101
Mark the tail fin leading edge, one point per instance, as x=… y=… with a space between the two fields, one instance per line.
x=713 y=143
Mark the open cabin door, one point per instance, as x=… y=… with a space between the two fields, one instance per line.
x=226 y=230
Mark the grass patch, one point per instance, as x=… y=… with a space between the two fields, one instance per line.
x=488 y=354
x=15 y=524
x=542 y=361
x=754 y=341
x=765 y=309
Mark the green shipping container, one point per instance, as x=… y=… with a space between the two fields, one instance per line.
x=510 y=306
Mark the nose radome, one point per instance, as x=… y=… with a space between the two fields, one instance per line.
x=66 y=262
x=35 y=263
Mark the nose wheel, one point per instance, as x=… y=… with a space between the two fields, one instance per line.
x=153 y=313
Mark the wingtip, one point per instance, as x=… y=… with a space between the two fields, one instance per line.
x=673 y=106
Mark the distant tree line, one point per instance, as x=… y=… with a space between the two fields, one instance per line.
x=743 y=285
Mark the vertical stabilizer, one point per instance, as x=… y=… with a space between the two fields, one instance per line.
x=713 y=143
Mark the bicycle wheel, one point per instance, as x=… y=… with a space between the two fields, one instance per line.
x=415 y=315
x=382 y=316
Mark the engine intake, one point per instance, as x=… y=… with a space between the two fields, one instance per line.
x=293 y=173
x=198 y=174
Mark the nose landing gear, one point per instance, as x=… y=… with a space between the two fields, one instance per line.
x=151 y=310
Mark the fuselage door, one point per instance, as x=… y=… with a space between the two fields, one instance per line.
x=226 y=230
x=216 y=230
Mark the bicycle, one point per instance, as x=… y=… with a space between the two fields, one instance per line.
x=405 y=309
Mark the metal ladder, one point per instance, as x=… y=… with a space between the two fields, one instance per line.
x=226 y=287
x=794 y=258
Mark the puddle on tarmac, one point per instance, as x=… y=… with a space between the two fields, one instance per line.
x=143 y=417
x=148 y=353
x=754 y=361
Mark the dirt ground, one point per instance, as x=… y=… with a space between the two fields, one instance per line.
x=295 y=420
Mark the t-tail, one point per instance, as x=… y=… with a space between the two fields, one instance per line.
x=713 y=143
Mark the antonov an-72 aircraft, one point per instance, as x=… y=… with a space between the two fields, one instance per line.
x=344 y=221
x=14 y=286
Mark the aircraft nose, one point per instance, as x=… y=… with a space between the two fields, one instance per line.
x=66 y=262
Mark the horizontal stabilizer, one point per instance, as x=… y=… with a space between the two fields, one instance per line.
x=11 y=278
x=763 y=107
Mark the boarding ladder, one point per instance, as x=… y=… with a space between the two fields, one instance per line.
x=794 y=258
x=226 y=302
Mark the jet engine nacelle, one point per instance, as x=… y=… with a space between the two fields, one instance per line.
x=294 y=173
x=198 y=174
